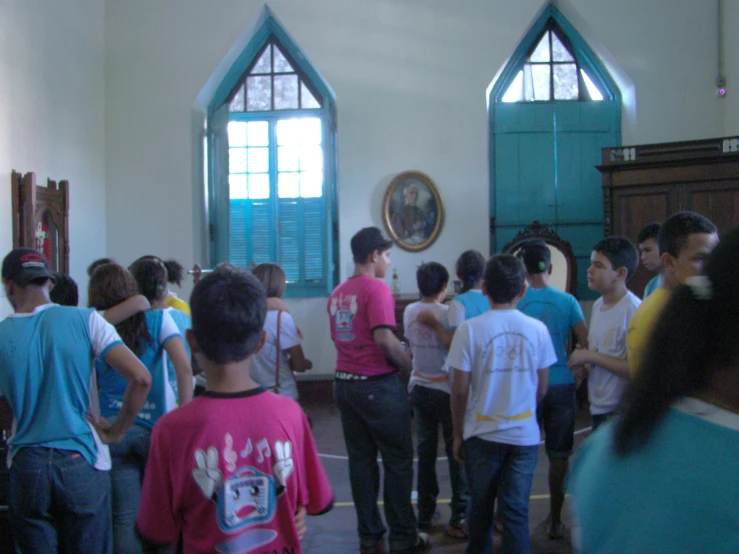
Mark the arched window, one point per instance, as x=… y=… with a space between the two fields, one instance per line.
x=273 y=159
x=552 y=109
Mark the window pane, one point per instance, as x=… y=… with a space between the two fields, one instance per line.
x=310 y=130
x=311 y=158
x=565 y=82
x=559 y=51
x=307 y=100
x=311 y=184
x=258 y=186
x=281 y=63
x=595 y=94
x=264 y=64
x=286 y=92
x=237 y=102
x=258 y=160
x=287 y=185
x=515 y=90
x=236 y=133
x=237 y=187
x=541 y=76
x=541 y=52
x=258 y=94
x=237 y=160
x=288 y=132
x=257 y=133
x=287 y=158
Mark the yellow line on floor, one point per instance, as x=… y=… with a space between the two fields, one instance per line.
x=439 y=501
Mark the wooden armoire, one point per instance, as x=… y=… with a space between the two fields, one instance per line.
x=645 y=184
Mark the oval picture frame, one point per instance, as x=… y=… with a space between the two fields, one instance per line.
x=413 y=219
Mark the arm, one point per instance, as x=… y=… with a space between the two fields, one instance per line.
x=176 y=351
x=617 y=366
x=386 y=339
x=460 y=395
x=430 y=319
x=542 y=384
x=298 y=361
x=581 y=334
x=121 y=312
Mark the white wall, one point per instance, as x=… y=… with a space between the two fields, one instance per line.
x=410 y=79
x=52 y=114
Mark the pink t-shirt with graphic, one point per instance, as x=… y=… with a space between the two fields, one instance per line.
x=228 y=472
x=357 y=307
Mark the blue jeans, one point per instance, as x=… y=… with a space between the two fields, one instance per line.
x=375 y=416
x=431 y=409
x=129 y=460
x=58 y=502
x=503 y=471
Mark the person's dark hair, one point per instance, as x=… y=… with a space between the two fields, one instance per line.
x=431 y=278
x=175 y=272
x=97 y=263
x=110 y=285
x=272 y=278
x=694 y=338
x=504 y=278
x=674 y=233
x=651 y=231
x=470 y=266
x=536 y=256
x=151 y=278
x=65 y=291
x=228 y=310
x=621 y=252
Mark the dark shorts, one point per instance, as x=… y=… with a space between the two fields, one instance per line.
x=556 y=416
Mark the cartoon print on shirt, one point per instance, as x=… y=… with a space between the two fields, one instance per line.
x=248 y=497
x=342 y=309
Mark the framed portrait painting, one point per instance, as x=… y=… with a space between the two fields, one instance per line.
x=413 y=211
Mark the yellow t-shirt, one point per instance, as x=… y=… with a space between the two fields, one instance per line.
x=641 y=326
x=177 y=304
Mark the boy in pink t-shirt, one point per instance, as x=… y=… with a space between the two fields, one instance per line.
x=229 y=471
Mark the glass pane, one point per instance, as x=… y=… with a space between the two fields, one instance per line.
x=237 y=102
x=595 y=94
x=311 y=184
x=541 y=52
x=237 y=187
x=258 y=186
x=237 y=160
x=286 y=92
x=258 y=94
x=258 y=160
x=565 y=82
x=288 y=131
x=515 y=91
x=281 y=63
x=307 y=100
x=257 y=133
x=287 y=185
x=264 y=64
x=287 y=158
x=311 y=158
x=310 y=130
x=541 y=77
x=236 y=133
x=559 y=51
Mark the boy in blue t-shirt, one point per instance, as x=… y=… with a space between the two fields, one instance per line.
x=561 y=313
x=58 y=495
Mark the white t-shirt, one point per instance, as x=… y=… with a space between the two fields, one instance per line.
x=263 y=362
x=429 y=354
x=503 y=350
x=607 y=335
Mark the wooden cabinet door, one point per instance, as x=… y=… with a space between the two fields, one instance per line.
x=717 y=200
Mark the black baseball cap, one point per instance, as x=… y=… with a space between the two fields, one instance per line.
x=25 y=265
x=368 y=240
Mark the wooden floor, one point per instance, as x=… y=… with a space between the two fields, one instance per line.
x=336 y=532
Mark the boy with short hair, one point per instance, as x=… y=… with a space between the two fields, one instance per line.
x=685 y=241
x=228 y=471
x=649 y=256
x=429 y=388
x=612 y=263
x=562 y=314
x=501 y=363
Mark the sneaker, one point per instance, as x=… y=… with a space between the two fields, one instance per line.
x=556 y=531
x=378 y=548
x=427 y=524
x=423 y=543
